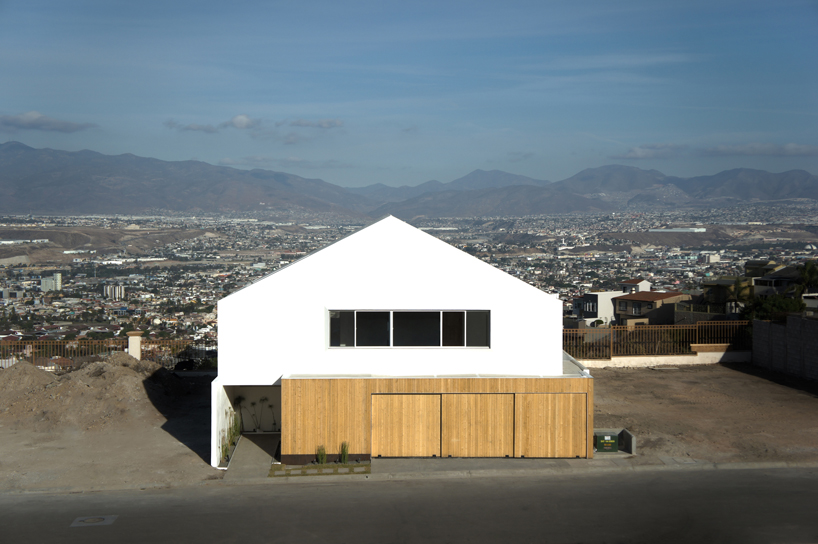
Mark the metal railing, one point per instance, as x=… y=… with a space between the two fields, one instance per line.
x=57 y=354
x=619 y=341
x=180 y=354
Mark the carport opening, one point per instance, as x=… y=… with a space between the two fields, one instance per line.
x=258 y=407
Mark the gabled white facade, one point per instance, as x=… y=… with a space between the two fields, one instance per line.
x=279 y=325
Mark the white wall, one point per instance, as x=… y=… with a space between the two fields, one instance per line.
x=280 y=325
x=220 y=412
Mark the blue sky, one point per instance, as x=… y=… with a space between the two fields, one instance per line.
x=373 y=92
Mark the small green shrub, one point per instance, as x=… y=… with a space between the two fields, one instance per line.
x=321 y=455
x=344 y=452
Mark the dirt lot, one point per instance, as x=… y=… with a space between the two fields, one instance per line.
x=121 y=423
x=714 y=413
x=112 y=424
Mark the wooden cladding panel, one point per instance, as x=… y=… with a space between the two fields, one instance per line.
x=589 y=421
x=550 y=425
x=324 y=412
x=477 y=425
x=405 y=425
x=330 y=411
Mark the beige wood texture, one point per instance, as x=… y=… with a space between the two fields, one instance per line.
x=330 y=411
x=550 y=425
x=477 y=425
x=589 y=421
x=405 y=425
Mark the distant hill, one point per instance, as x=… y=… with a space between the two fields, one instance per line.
x=514 y=200
x=478 y=179
x=62 y=182
x=610 y=179
x=384 y=193
x=52 y=181
x=748 y=184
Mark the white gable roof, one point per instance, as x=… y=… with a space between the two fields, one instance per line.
x=279 y=324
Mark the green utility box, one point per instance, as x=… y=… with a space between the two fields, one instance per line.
x=605 y=442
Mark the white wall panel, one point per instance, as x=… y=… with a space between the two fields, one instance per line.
x=279 y=325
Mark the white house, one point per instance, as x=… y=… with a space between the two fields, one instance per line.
x=596 y=306
x=636 y=285
x=346 y=344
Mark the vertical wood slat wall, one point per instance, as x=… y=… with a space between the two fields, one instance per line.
x=406 y=425
x=549 y=425
x=330 y=411
x=476 y=425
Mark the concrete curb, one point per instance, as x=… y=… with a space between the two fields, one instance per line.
x=591 y=469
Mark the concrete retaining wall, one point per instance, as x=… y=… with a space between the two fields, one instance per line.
x=791 y=349
x=703 y=358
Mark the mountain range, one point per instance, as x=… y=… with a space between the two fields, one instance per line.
x=47 y=181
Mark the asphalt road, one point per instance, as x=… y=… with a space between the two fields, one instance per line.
x=746 y=506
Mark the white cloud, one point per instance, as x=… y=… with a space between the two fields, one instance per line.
x=652 y=151
x=321 y=123
x=760 y=149
x=34 y=120
x=193 y=127
x=241 y=122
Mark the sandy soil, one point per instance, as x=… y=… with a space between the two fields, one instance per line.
x=714 y=413
x=120 y=423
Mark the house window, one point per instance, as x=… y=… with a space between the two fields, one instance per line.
x=359 y=328
x=623 y=306
x=649 y=306
x=637 y=308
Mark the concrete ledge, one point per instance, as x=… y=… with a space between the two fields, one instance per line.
x=646 y=361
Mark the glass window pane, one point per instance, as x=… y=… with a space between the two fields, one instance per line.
x=372 y=329
x=454 y=328
x=477 y=328
x=416 y=329
x=341 y=328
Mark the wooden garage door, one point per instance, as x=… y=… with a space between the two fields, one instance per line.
x=478 y=425
x=405 y=425
x=550 y=425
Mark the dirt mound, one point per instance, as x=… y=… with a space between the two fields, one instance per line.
x=116 y=389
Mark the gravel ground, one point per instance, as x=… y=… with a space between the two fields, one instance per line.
x=715 y=413
x=121 y=423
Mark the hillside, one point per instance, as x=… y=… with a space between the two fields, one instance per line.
x=52 y=181
x=514 y=200
x=47 y=181
x=478 y=179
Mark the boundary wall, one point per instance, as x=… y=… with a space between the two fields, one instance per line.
x=790 y=349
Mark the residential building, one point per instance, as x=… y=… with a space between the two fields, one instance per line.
x=647 y=308
x=596 y=308
x=392 y=332
x=114 y=292
x=636 y=285
x=54 y=283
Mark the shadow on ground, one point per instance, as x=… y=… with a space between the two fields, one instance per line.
x=807 y=386
x=185 y=404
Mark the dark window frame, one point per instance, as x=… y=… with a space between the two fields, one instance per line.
x=459 y=329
